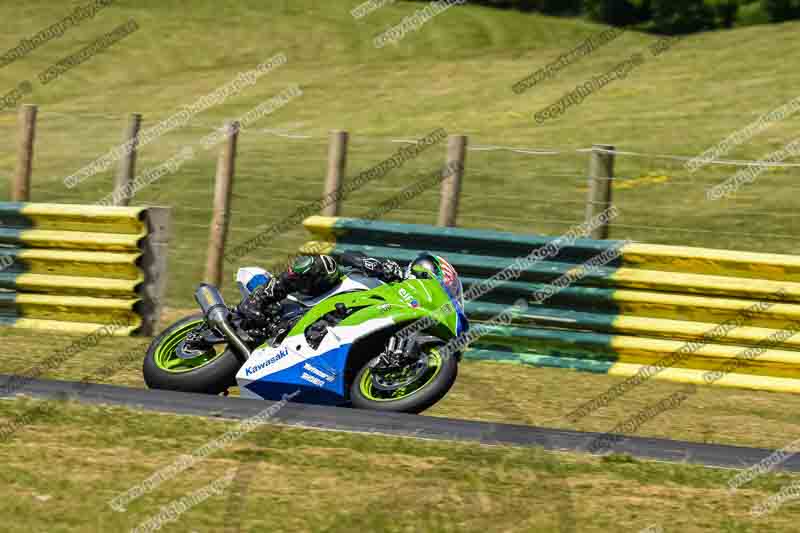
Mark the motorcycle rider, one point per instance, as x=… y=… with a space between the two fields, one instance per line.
x=311 y=275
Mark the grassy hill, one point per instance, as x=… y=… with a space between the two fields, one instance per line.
x=456 y=72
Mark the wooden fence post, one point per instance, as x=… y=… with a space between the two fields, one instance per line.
x=21 y=187
x=155 y=249
x=222 y=200
x=601 y=175
x=127 y=165
x=337 y=162
x=451 y=186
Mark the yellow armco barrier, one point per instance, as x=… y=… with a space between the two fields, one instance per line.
x=774 y=267
x=76 y=268
x=71 y=240
x=705 y=316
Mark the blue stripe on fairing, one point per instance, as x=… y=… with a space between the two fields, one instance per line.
x=308 y=393
x=288 y=380
x=462 y=324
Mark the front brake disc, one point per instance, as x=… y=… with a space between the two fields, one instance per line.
x=188 y=353
x=387 y=382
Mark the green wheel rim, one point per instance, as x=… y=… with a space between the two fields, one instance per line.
x=434 y=366
x=167 y=360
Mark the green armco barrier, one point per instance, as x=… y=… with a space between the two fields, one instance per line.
x=648 y=303
x=77 y=268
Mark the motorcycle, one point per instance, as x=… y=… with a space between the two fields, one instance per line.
x=365 y=343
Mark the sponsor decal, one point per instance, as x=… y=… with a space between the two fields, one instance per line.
x=407 y=298
x=318 y=372
x=311 y=379
x=261 y=366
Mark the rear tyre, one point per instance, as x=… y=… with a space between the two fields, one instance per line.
x=211 y=373
x=431 y=388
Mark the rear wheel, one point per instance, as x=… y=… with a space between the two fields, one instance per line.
x=212 y=371
x=411 y=390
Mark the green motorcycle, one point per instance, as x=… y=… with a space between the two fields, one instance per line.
x=365 y=343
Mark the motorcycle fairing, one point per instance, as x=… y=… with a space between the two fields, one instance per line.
x=294 y=365
x=318 y=373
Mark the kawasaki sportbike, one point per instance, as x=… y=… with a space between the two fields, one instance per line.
x=350 y=346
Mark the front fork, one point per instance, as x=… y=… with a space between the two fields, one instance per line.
x=399 y=352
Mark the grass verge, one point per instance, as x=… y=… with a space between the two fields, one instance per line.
x=61 y=470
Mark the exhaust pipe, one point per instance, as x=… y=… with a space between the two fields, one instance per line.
x=216 y=313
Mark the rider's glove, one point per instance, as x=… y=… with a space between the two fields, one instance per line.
x=385 y=270
x=250 y=309
x=260 y=304
x=392 y=271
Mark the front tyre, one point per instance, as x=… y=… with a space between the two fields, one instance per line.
x=431 y=387
x=210 y=373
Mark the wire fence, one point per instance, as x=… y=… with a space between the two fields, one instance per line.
x=505 y=187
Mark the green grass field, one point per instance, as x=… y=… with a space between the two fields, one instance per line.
x=455 y=73
x=297 y=480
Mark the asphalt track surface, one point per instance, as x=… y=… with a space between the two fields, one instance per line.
x=380 y=423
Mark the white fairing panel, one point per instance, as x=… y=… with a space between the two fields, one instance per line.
x=294 y=361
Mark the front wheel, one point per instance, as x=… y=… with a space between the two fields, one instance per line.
x=426 y=386
x=211 y=372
